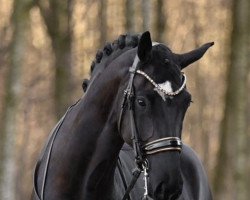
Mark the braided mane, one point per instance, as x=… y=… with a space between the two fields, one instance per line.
x=109 y=52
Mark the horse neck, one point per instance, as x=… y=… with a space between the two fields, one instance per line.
x=98 y=181
x=87 y=146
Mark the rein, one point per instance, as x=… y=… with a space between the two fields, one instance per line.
x=48 y=146
x=153 y=147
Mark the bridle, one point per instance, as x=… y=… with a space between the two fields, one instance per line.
x=152 y=147
x=141 y=151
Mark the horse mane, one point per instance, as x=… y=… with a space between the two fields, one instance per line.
x=109 y=52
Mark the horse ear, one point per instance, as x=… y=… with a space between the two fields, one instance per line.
x=144 y=46
x=192 y=56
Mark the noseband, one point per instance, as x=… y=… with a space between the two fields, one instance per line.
x=163 y=144
x=152 y=147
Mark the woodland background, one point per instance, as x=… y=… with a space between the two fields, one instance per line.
x=46 y=49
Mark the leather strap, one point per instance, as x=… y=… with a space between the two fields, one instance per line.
x=136 y=175
x=163 y=144
x=119 y=166
x=128 y=90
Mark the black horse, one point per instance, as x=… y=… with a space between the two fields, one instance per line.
x=136 y=95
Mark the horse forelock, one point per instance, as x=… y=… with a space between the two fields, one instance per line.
x=166 y=71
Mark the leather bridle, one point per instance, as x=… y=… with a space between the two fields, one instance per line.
x=141 y=151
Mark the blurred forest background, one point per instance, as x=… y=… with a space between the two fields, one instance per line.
x=46 y=49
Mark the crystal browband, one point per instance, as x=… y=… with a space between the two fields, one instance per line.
x=159 y=88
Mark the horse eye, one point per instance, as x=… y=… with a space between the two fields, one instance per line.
x=141 y=102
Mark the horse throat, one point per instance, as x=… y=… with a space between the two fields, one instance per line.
x=105 y=147
x=99 y=177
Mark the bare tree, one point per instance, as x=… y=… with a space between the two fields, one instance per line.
x=9 y=132
x=130 y=15
x=233 y=172
x=57 y=15
x=160 y=20
x=103 y=22
x=146 y=15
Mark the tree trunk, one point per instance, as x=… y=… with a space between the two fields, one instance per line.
x=232 y=173
x=160 y=21
x=146 y=15
x=103 y=22
x=130 y=16
x=57 y=16
x=20 y=22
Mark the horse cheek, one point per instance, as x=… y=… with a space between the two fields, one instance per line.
x=148 y=129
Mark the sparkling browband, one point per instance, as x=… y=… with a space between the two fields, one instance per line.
x=158 y=87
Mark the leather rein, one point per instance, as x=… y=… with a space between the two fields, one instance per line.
x=153 y=147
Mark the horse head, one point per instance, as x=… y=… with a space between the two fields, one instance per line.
x=154 y=105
